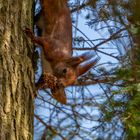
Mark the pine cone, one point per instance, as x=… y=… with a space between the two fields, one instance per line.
x=47 y=80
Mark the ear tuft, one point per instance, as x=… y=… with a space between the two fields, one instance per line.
x=77 y=60
x=83 y=69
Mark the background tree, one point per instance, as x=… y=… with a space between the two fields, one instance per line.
x=104 y=104
x=16 y=71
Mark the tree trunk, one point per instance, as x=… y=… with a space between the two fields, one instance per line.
x=16 y=72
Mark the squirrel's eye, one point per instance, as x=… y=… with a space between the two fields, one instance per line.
x=65 y=70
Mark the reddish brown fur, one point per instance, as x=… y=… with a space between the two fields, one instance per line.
x=57 y=42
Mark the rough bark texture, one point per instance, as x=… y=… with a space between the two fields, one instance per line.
x=16 y=72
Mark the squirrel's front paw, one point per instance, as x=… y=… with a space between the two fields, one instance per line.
x=29 y=33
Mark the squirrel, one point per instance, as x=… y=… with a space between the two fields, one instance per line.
x=56 y=41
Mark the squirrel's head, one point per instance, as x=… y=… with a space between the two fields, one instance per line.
x=70 y=69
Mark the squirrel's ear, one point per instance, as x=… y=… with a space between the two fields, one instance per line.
x=75 y=61
x=83 y=69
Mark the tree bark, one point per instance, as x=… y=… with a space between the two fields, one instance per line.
x=16 y=71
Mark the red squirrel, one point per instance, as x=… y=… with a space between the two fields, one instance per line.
x=56 y=41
